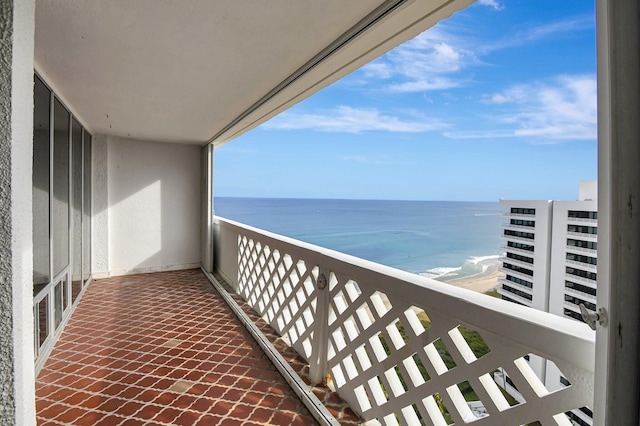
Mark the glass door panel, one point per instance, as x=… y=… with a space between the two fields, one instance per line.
x=41 y=180
x=60 y=200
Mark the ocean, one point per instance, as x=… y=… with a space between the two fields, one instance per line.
x=439 y=239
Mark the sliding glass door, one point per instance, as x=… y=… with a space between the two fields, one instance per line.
x=61 y=215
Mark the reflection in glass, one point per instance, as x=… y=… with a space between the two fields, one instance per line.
x=40 y=191
x=41 y=323
x=86 y=210
x=76 y=181
x=60 y=202
x=57 y=304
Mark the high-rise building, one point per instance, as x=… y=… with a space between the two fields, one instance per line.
x=551 y=265
x=551 y=253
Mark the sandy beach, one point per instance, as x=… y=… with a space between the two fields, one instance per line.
x=481 y=282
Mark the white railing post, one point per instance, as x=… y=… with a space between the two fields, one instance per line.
x=318 y=360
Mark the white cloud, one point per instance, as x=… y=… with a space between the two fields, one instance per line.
x=564 y=109
x=353 y=120
x=492 y=3
x=440 y=57
x=431 y=61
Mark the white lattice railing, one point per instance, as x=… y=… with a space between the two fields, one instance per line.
x=404 y=349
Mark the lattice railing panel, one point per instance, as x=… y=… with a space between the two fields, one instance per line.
x=407 y=350
x=281 y=289
x=402 y=364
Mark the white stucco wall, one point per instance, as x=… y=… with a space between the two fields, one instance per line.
x=17 y=380
x=100 y=207
x=153 y=214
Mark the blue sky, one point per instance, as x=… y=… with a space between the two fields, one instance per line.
x=497 y=101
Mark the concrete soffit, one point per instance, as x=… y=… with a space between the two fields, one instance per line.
x=153 y=71
x=391 y=24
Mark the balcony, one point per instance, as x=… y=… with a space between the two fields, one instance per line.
x=398 y=348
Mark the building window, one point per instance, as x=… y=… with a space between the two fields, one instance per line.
x=571 y=314
x=581 y=288
x=61 y=190
x=528 y=235
x=582 y=259
x=519 y=281
x=582 y=244
x=41 y=180
x=517 y=292
x=520 y=222
x=580 y=273
x=576 y=301
x=580 y=229
x=520 y=210
x=516 y=268
x=579 y=214
x=60 y=199
x=520 y=246
x=519 y=257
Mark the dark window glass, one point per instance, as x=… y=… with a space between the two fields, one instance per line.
x=583 y=229
x=519 y=281
x=520 y=210
x=40 y=191
x=519 y=257
x=582 y=259
x=517 y=292
x=520 y=222
x=582 y=214
x=60 y=202
x=41 y=322
x=516 y=268
x=580 y=287
x=582 y=244
x=86 y=209
x=509 y=232
x=520 y=246
x=57 y=304
x=580 y=273
x=576 y=301
x=76 y=154
x=572 y=314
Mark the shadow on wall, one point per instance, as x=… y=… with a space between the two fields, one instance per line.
x=153 y=205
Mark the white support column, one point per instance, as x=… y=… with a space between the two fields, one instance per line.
x=100 y=207
x=206 y=237
x=17 y=377
x=617 y=380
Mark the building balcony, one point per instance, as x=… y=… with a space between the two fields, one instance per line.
x=515 y=285
x=398 y=348
x=585 y=266
x=583 y=236
x=524 y=228
x=582 y=250
x=519 y=215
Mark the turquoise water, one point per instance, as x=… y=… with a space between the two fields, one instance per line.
x=423 y=237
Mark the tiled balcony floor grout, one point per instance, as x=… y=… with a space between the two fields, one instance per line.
x=159 y=349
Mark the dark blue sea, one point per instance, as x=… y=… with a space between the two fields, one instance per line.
x=432 y=238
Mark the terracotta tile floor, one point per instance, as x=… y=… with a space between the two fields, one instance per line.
x=159 y=349
x=338 y=408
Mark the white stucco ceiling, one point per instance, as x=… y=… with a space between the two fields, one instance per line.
x=183 y=70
